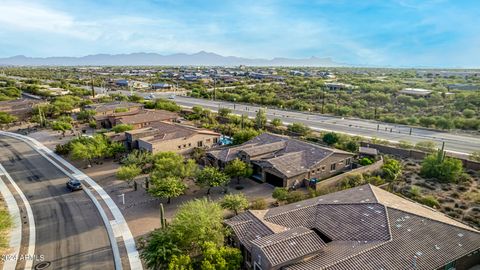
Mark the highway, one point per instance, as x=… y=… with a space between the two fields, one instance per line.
x=69 y=230
x=455 y=142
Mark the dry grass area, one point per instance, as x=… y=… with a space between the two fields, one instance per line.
x=458 y=200
x=5 y=225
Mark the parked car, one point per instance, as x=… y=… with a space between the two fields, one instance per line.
x=74 y=184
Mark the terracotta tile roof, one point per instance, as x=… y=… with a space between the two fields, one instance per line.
x=113 y=105
x=288 y=246
x=145 y=116
x=163 y=131
x=369 y=228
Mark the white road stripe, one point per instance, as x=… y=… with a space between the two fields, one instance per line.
x=31 y=221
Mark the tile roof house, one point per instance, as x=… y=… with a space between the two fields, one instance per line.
x=282 y=161
x=114 y=107
x=110 y=115
x=360 y=228
x=163 y=136
x=146 y=118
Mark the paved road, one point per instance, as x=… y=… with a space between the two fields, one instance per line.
x=455 y=142
x=69 y=230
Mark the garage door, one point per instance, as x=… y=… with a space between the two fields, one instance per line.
x=273 y=179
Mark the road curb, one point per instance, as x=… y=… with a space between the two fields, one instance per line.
x=16 y=231
x=31 y=221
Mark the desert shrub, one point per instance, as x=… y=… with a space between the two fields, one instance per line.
x=351 y=180
x=295 y=196
x=429 y=200
x=365 y=161
x=258 y=204
x=444 y=169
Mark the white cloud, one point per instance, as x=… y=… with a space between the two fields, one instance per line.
x=31 y=17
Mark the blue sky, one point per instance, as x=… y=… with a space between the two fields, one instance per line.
x=385 y=33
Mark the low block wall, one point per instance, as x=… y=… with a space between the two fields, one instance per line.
x=416 y=154
x=332 y=181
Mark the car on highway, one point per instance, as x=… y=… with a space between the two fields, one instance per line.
x=171 y=97
x=74 y=184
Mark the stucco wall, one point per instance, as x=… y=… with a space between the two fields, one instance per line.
x=332 y=181
x=180 y=145
x=416 y=154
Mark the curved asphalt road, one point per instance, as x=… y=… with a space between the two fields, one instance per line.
x=69 y=230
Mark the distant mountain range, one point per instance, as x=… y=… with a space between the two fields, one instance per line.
x=153 y=59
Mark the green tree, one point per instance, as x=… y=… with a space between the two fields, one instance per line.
x=61 y=126
x=445 y=169
x=351 y=146
x=220 y=258
x=122 y=128
x=280 y=194
x=391 y=169
x=244 y=135
x=212 y=177
x=196 y=222
x=181 y=262
x=161 y=248
x=260 y=119
x=85 y=115
x=6 y=118
x=444 y=123
x=224 y=112
x=276 y=122
x=128 y=173
x=235 y=202
x=173 y=164
x=198 y=154
x=299 y=128
x=238 y=168
x=168 y=187
x=468 y=113
x=80 y=151
x=139 y=158
x=330 y=138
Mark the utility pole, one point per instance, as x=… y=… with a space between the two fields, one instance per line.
x=323 y=100
x=214 y=89
x=91 y=81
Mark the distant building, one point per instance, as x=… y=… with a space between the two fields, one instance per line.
x=161 y=86
x=122 y=83
x=145 y=118
x=282 y=161
x=114 y=107
x=363 y=227
x=334 y=86
x=462 y=86
x=416 y=92
x=163 y=136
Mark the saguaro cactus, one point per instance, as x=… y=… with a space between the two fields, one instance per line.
x=163 y=220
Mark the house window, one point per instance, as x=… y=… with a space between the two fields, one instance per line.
x=189 y=144
x=179 y=147
x=333 y=167
x=184 y=146
x=215 y=140
x=199 y=143
x=347 y=161
x=208 y=140
x=323 y=168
